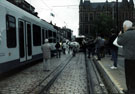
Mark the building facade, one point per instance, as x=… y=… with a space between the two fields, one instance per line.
x=89 y=12
x=63 y=34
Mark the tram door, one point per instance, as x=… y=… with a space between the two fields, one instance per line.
x=28 y=41
x=25 y=47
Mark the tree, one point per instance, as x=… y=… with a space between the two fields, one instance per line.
x=103 y=25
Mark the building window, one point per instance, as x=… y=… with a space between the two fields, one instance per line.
x=11 y=31
x=81 y=29
x=91 y=17
x=36 y=35
x=81 y=17
x=131 y=16
x=86 y=17
x=86 y=29
x=97 y=14
x=89 y=28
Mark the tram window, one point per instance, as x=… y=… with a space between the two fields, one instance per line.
x=54 y=34
x=43 y=36
x=29 y=39
x=50 y=33
x=50 y=40
x=21 y=38
x=36 y=35
x=54 y=40
x=46 y=33
x=11 y=31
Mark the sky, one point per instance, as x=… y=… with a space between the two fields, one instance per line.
x=66 y=12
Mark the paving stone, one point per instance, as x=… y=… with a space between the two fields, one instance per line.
x=72 y=79
x=26 y=80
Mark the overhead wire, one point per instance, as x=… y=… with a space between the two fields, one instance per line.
x=55 y=12
x=46 y=4
x=66 y=6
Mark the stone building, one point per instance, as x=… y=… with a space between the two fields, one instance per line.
x=89 y=11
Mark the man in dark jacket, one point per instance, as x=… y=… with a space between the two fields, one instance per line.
x=113 y=49
x=127 y=40
x=58 y=49
x=98 y=44
x=90 y=47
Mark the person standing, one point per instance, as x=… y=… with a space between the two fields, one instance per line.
x=127 y=40
x=98 y=43
x=58 y=49
x=102 y=49
x=113 y=49
x=74 y=48
x=90 y=47
x=46 y=48
x=67 y=47
x=64 y=46
x=70 y=48
x=84 y=46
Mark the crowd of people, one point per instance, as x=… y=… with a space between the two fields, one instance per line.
x=100 y=47
x=61 y=47
x=126 y=40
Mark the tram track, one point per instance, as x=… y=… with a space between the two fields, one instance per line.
x=95 y=82
x=49 y=84
x=45 y=84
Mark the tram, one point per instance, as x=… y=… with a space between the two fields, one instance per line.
x=21 y=36
x=79 y=39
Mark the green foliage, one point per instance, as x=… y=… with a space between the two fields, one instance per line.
x=103 y=25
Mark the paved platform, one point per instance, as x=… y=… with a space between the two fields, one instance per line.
x=24 y=81
x=115 y=76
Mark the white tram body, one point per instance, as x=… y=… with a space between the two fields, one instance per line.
x=21 y=36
